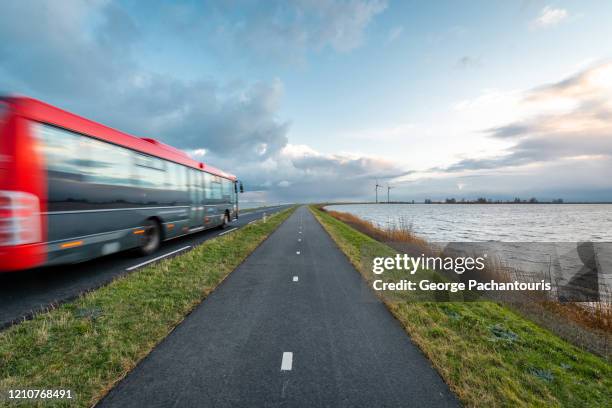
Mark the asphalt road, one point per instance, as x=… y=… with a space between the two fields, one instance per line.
x=24 y=293
x=292 y=326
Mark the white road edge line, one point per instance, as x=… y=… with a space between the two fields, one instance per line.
x=158 y=258
x=295 y=278
x=229 y=230
x=252 y=221
x=287 y=362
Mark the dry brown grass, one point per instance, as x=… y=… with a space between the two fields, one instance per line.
x=397 y=234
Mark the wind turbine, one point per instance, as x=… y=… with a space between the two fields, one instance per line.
x=388 y=189
x=377 y=187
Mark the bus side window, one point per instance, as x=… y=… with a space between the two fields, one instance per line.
x=217 y=193
x=201 y=188
x=227 y=190
x=176 y=183
x=151 y=171
x=65 y=156
x=108 y=164
x=207 y=188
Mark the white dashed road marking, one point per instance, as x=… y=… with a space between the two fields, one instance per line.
x=287 y=362
x=158 y=258
x=297 y=252
x=295 y=278
x=228 y=231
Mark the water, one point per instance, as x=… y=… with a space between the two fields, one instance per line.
x=541 y=240
x=490 y=222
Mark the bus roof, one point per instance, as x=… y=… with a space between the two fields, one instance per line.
x=43 y=112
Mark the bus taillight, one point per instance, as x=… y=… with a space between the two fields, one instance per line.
x=19 y=218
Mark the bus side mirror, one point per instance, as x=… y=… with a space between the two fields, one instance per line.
x=241 y=187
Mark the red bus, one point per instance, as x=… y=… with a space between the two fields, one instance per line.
x=72 y=189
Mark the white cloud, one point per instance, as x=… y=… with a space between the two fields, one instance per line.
x=197 y=153
x=560 y=129
x=550 y=16
x=552 y=141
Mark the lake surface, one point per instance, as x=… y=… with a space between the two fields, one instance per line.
x=491 y=222
x=543 y=240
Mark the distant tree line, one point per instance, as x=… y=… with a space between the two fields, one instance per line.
x=484 y=200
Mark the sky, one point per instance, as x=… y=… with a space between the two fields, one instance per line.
x=317 y=100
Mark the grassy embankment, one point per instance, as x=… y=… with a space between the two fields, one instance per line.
x=262 y=208
x=88 y=345
x=489 y=355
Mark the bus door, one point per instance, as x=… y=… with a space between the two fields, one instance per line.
x=196 y=212
x=208 y=201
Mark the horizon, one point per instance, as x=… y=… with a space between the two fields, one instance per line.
x=314 y=101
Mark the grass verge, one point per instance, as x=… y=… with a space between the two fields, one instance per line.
x=486 y=353
x=88 y=345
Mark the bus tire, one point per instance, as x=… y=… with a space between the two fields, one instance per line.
x=151 y=238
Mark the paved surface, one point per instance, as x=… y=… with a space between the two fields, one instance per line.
x=24 y=293
x=263 y=339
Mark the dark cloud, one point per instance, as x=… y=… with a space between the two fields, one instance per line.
x=509 y=131
x=202 y=114
x=81 y=56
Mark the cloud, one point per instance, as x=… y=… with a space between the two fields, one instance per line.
x=204 y=115
x=82 y=57
x=307 y=175
x=73 y=49
x=549 y=17
x=572 y=180
x=578 y=134
x=551 y=141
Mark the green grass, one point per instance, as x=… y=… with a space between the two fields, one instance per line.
x=248 y=210
x=489 y=356
x=88 y=345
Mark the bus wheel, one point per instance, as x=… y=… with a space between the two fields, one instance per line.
x=151 y=238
